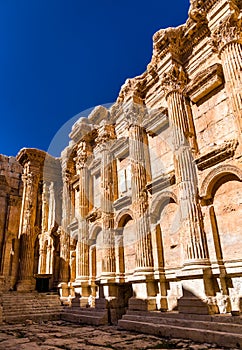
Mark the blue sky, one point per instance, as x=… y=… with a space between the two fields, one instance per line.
x=61 y=57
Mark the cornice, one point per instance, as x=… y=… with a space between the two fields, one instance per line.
x=205 y=82
x=122 y=202
x=120 y=147
x=32 y=155
x=220 y=153
x=161 y=182
x=157 y=119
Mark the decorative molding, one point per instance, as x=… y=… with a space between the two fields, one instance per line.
x=157 y=120
x=220 y=153
x=162 y=182
x=122 y=202
x=205 y=82
x=94 y=215
x=214 y=175
x=120 y=148
x=95 y=166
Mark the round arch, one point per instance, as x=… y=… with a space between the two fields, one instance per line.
x=159 y=202
x=210 y=181
x=123 y=217
x=94 y=230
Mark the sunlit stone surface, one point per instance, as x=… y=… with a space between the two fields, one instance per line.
x=143 y=211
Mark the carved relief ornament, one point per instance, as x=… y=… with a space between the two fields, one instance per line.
x=83 y=153
x=174 y=80
x=105 y=133
x=228 y=31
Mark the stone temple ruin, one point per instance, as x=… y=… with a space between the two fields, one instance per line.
x=143 y=210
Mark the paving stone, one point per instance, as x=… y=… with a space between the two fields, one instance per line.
x=52 y=336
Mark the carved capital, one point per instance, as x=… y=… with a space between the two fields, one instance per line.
x=174 y=80
x=229 y=31
x=135 y=114
x=84 y=151
x=105 y=133
x=169 y=40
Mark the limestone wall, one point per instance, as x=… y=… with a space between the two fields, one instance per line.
x=10 y=198
x=147 y=196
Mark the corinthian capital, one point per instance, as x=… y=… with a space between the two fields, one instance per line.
x=227 y=32
x=105 y=133
x=84 y=151
x=174 y=80
x=135 y=113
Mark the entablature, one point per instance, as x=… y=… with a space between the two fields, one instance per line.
x=205 y=82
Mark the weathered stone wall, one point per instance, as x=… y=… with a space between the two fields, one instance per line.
x=10 y=204
x=150 y=196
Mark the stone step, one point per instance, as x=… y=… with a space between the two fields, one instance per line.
x=33 y=311
x=18 y=307
x=37 y=317
x=182 y=322
x=82 y=310
x=200 y=335
x=84 y=319
x=90 y=316
x=219 y=318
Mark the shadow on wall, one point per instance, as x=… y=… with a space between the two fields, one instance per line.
x=189 y=303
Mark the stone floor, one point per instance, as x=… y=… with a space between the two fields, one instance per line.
x=63 y=335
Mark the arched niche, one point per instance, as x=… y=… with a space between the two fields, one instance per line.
x=212 y=180
x=158 y=204
x=169 y=227
x=125 y=243
x=96 y=253
x=222 y=193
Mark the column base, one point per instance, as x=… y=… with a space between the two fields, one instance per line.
x=27 y=285
x=148 y=304
x=63 y=289
x=112 y=296
x=144 y=295
x=83 y=288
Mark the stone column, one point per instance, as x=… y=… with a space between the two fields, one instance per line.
x=228 y=42
x=82 y=251
x=108 y=291
x=195 y=247
x=144 y=286
x=44 y=228
x=84 y=150
x=27 y=230
x=105 y=137
x=143 y=251
x=64 y=234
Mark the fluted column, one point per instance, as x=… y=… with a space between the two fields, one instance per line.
x=82 y=267
x=44 y=228
x=143 y=249
x=195 y=248
x=105 y=137
x=27 y=231
x=64 y=234
x=228 y=42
